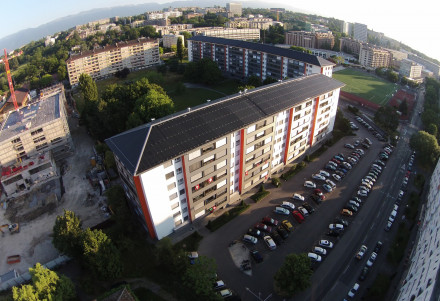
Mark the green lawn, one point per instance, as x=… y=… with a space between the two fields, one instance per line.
x=365 y=85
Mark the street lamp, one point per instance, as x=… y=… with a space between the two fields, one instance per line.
x=259 y=295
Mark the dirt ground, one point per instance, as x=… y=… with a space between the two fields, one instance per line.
x=34 y=243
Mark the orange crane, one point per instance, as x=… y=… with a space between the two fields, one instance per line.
x=11 y=86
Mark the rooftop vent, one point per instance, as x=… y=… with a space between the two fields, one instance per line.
x=208 y=100
x=188 y=109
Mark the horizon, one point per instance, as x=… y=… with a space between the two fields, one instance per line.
x=378 y=20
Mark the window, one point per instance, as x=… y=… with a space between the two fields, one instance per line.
x=56 y=140
x=39 y=139
x=296 y=117
x=177 y=160
x=309 y=103
x=179 y=170
x=41 y=146
x=182 y=192
x=169 y=175
x=36 y=131
x=180 y=182
x=298 y=108
x=16 y=140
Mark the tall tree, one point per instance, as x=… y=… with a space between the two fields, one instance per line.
x=46 y=285
x=88 y=88
x=294 y=275
x=426 y=146
x=180 y=49
x=67 y=233
x=154 y=105
x=199 y=277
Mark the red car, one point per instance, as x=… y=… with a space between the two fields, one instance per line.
x=336 y=161
x=263 y=227
x=270 y=221
x=318 y=192
x=298 y=216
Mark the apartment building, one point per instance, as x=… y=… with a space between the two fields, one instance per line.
x=360 y=32
x=427 y=64
x=410 y=69
x=374 y=57
x=421 y=280
x=306 y=39
x=173 y=28
x=240 y=59
x=347 y=28
x=39 y=126
x=104 y=62
x=177 y=169
x=351 y=46
x=234 y=9
x=243 y=34
x=252 y=22
x=169 y=40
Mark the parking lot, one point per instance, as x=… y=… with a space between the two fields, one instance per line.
x=315 y=227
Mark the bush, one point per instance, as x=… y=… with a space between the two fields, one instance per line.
x=227 y=216
x=379 y=288
x=293 y=170
x=276 y=182
x=260 y=195
x=353 y=109
x=397 y=249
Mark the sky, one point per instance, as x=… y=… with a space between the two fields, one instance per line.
x=415 y=23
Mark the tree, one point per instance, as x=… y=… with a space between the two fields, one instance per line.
x=300 y=49
x=198 y=279
x=387 y=117
x=67 y=232
x=46 y=81
x=294 y=275
x=180 y=49
x=403 y=107
x=122 y=73
x=100 y=254
x=245 y=87
x=62 y=72
x=186 y=36
x=88 y=88
x=254 y=81
x=46 y=285
x=154 y=105
x=432 y=129
x=426 y=147
x=109 y=160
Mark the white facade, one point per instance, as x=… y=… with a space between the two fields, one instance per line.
x=410 y=69
x=360 y=32
x=171 y=40
x=420 y=281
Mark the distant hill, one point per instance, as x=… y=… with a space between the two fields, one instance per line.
x=25 y=36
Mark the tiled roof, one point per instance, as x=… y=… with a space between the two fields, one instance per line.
x=149 y=145
x=289 y=53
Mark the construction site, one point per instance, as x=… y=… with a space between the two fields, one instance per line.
x=46 y=166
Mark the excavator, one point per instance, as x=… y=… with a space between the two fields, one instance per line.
x=13 y=228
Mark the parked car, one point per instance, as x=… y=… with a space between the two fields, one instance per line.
x=288 y=205
x=287 y=225
x=314 y=257
x=331 y=183
x=263 y=227
x=324 y=173
x=308 y=207
x=348 y=145
x=269 y=243
x=325 y=244
x=320 y=251
x=336 y=177
x=218 y=285
x=316 y=199
x=364 y=273
x=330 y=167
x=270 y=221
x=226 y=293
x=255 y=232
x=277 y=238
x=256 y=256
x=282 y=232
x=336 y=227
x=362 y=250
x=372 y=259
x=388 y=226
x=281 y=210
x=298 y=197
x=327 y=188
x=353 y=290
x=356 y=204
x=363 y=193
x=346 y=212
x=341 y=221
x=298 y=216
x=351 y=208
x=309 y=184
x=318 y=177
x=250 y=239
x=318 y=192
x=377 y=247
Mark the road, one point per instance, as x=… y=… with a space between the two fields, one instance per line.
x=334 y=277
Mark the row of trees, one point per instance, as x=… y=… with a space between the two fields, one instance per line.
x=122 y=107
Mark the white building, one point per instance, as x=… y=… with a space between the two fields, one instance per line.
x=234 y=9
x=360 y=32
x=181 y=167
x=169 y=40
x=421 y=280
x=410 y=69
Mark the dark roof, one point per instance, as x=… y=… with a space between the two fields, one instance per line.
x=21 y=95
x=142 y=148
x=289 y=53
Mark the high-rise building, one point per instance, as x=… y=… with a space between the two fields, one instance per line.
x=427 y=64
x=374 y=57
x=169 y=40
x=421 y=282
x=410 y=69
x=360 y=32
x=106 y=61
x=350 y=46
x=234 y=9
x=179 y=168
x=347 y=28
x=324 y=40
x=300 y=38
x=240 y=59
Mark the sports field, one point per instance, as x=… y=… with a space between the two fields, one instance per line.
x=365 y=85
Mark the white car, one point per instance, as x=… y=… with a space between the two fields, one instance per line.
x=331 y=183
x=325 y=244
x=298 y=197
x=362 y=192
x=400 y=193
x=324 y=173
x=318 y=177
x=281 y=210
x=309 y=184
x=353 y=290
x=250 y=239
x=288 y=205
x=314 y=257
x=320 y=251
x=371 y=259
x=336 y=227
x=336 y=177
x=362 y=250
x=354 y=203
x=364 y=188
